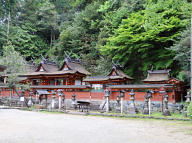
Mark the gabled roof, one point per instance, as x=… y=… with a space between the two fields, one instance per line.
x=96 y=78
x=115 y=73
x=140 y=86
x=157 y=75
x=47 y=67
x=165 y=71
x=60 y=86
x=73 y=66
x=119 y=74
x=174 y=80
x=50 y=68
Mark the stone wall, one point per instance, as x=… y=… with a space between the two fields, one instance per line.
x=98 y=105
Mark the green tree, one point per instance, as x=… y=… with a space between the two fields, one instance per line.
x=181 y=48
x=15 y=66
x=14 y=62
x=143 y=38
x=8 y=10
x=48 y=21
x=28 y=34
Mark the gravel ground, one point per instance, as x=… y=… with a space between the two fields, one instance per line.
x=34 y=127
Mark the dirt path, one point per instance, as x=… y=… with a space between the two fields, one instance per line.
x=32 y=127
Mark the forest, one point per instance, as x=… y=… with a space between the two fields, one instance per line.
x=138 y=34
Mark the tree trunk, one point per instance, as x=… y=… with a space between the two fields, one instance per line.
x=51 y=38
x=8 y=23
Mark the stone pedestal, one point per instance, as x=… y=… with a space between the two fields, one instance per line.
x=118 y=105
x=107 y=104
x=53 y=104
x=60 y=102
x=73 y=105
x=131 y=109
x=188 y=100
x=73 y=102
x=166 y=112
x=107 y=94
x=118 y=109
x=30 y=102
x=146 y=108
x=53 y=100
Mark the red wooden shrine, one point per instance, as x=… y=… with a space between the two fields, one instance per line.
x=73 y=78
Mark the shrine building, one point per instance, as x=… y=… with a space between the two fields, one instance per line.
x=72 y=78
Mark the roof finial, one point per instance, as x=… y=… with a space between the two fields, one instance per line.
x=67 y=56
x=43 y=60
x=33 y=62
x=116 y=65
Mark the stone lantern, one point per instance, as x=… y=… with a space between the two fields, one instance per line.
x=118 y=107
x=132 y=94
x=132 y=109
x=166 y=112
x=118 y=98
x=147 y=104
x=107 y=94
x=22 y=97
x=73 y=97
x=122 y=95
x=60 y=94
x=73 y=102
x=162 y=92
x=30 y=102
x=188 y=100
x=53 y=99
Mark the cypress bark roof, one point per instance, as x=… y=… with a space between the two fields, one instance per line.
x=157 y=75
x=96 y=78
x=74 y=66
x=141 y=86
x=119 y=74
x=47 y=67
x=50 y=68
x=61 y=86
x=115 y=73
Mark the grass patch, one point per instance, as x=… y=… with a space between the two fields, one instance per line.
x=154 y=114
x=159 y=114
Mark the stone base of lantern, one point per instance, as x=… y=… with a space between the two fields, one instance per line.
x=145 y=111
x=166 y=112
x=118 y=109
x=30 y=103
x=185 y=113
x=73 y=105
x=131 y=109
